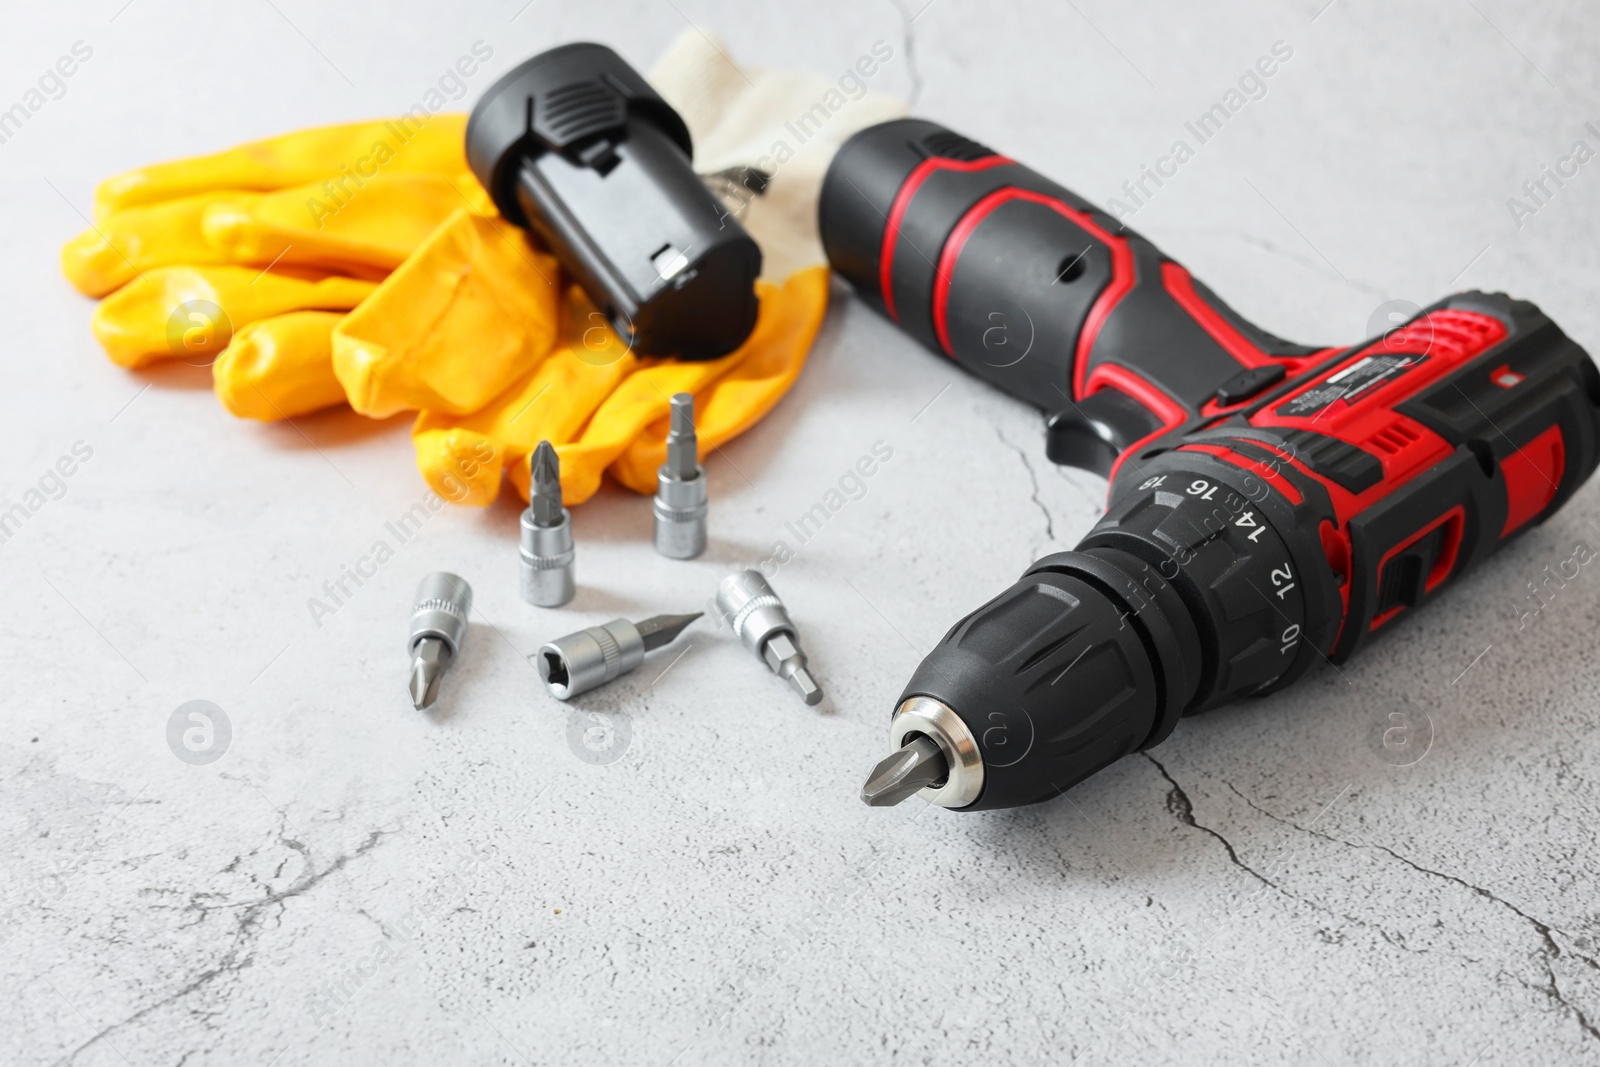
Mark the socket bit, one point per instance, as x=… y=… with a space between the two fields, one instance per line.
x=760 y=620
x=581 y=661
x=680 y=504
x=905 y=772
x=438 y=629
x=546 y=551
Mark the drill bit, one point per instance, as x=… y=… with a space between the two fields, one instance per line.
x=546 y=550
x=664 y=629
x=428 y=662
x=680 y=504
x=544 y=480
x=581 y=661
x=682 y=444
x=438 y=628
x=905 y=772
x=760 y=620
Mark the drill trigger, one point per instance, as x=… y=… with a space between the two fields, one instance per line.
x=1091 y=433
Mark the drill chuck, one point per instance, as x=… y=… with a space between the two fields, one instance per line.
x=1089 y=657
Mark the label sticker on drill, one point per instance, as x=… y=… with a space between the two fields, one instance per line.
x=1344 y=389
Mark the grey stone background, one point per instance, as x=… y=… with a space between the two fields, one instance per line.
x=502 y=882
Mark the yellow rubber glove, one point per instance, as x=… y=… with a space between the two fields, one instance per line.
x=192 y=312
x=346 y=157
x=791 y=316
x=372 y=233
x=634 y=414
x=111 y=254
x=472 y=328
x=473 y=310
x=461 y=456
x=280 y=367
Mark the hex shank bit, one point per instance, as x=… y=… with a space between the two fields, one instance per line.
x=760 y=620
x=680 y=504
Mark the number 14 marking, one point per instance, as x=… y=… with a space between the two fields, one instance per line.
x=1249 y=519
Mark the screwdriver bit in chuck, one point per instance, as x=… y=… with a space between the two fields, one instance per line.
x=438 y=628
x=579 y=662
x=760 y=620
x=681 y=488
x=547 y=579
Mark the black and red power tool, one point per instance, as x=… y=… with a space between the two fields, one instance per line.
x=1270 y=503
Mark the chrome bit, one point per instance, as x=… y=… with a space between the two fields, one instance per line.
x=760 y=620
x=683 y=463
x=680 y=505
x=905 y=772
x=581 y=661
x=438 y=628
x=546 y=551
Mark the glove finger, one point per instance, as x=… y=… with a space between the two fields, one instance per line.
x=116 y=250
x=791 y=315
x=372 y=231
x=191 y=312
x=346 y=156
x=462 y=456
x=470 y=312
x=280 y=367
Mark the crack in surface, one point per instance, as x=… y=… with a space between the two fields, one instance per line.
x=1179 y=804
x=908 y=43
x=238 y=956
x=1033 y=480
x=1549 y=951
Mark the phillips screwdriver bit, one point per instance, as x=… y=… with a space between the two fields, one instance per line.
x=760 y=620
x=438 y=628
x=680 y=504
x=907 y=771
x=546 y=551
x=581 y=661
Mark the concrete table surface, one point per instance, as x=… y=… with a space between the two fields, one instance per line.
x=678 y=869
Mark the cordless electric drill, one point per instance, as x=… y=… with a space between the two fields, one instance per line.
x=1270 y=504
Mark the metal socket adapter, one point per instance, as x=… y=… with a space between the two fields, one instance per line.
x=582 y=661
x=546 y=550
x=760 y=620
x=438 y=628
x=680 y=504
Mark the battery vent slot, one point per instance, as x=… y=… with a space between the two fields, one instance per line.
x=1394 y=438
x=950 y=145
x=1447 y=333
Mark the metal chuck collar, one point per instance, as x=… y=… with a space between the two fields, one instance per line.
x=438 y=628
x=547 y=578
x=760 y=620
x=681 y=488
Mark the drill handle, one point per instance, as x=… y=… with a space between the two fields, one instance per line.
x=1029 y=286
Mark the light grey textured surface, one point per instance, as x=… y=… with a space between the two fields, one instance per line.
x=356 y=883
